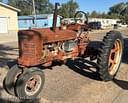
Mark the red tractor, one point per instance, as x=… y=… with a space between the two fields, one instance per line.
x=40 y=47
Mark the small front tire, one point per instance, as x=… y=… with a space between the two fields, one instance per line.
x=30 y=84
x=10 y=79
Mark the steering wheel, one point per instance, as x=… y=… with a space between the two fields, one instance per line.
x=80 y=16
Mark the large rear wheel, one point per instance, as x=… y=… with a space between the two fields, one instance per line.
x=110 y=54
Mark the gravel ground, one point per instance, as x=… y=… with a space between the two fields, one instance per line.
x=74 y=82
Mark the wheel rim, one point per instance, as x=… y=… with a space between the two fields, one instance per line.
x=33 y=85
x=115 y=57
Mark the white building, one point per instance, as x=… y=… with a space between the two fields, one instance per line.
x=104 y=22
x=8 y=18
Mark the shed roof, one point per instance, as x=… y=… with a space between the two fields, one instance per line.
x=40 y=16
x=9 y=7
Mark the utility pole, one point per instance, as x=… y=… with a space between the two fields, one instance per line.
x=34 y=9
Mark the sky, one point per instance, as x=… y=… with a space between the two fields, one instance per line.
x=91 y=5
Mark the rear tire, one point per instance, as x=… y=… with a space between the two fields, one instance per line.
x=110 y=54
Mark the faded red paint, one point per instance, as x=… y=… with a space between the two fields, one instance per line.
x=31 y=44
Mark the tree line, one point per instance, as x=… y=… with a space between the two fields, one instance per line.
x=118 y=11
x=26 y=6
x=44 y=7
x=68 y=9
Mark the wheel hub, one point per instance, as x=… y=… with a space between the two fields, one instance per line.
x=115 y=57
x=33 y=85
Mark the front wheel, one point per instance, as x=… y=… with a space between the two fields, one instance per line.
x=110 y=54
x=30 y=84
x=10 y=79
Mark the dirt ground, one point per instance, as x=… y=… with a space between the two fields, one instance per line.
x=74 y=82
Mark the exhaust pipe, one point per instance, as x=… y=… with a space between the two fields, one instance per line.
x=55 y=17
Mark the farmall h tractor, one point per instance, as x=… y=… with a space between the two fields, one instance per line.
x=40 y=47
